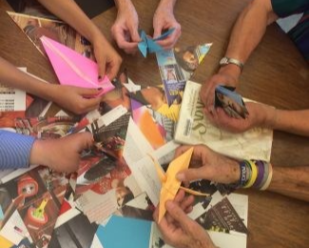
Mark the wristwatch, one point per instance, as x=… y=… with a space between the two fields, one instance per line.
x=227 y=60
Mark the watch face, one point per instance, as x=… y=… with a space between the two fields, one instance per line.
x=224 y=61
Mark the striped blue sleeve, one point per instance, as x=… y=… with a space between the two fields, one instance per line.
x=14 y=150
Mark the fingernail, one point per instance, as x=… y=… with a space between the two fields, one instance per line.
x=180 y=176
x=100 y=88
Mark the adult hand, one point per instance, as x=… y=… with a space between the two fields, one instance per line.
x=164 y=19
x=180 y=231
x=76 y=99
x=227 y=75
x=62 y=154
x=259 y=116
x=209 y=165
x=107 y=58
x=125 y=28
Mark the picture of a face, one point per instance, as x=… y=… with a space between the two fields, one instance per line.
x=191 y=59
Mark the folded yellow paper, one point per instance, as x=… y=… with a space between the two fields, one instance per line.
x=170 y=184
x=4 y=243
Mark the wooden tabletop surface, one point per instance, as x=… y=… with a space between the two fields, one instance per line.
x=275 y=74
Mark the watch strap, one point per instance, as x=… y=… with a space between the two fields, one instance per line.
x=227 y=60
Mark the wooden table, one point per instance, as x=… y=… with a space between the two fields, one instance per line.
x=276 y=74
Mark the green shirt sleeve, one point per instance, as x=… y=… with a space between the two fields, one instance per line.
x=284 y=8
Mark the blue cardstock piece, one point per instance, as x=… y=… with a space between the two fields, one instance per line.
x=149 y=45
x=122 y=232
x=233 y=95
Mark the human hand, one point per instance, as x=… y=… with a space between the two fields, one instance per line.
x=107 y=58
x=209 y=165
x=257 y=117
x=125 y=28
x=75 y=99
x=164 y=19
x=62 y=154
x=180 y=231
x=227 y=76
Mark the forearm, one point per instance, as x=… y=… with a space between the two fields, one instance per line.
x=123 y=4
x=246 y=34
x=167 y=4
x=292 y=121
x=69 y=12
x=291 y=181
x=15 y=150
x=12 y=77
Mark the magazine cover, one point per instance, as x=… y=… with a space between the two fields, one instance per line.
x=194 y=128
x=31 y=204
x=36 y=27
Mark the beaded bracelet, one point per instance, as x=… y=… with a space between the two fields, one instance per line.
x=253 y=173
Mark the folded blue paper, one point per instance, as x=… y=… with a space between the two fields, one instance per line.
x=149 y=45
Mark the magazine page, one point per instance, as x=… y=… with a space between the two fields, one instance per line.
x=136 y=147
x=146 y=174
x=194 y=128
x=31 y=204
x=12 y=99
x=222 y=216
x=105 y=182
x=176 y=66
x=36 y=27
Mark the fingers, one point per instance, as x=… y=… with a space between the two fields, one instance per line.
x=180 y=197
x=126 y=40
x=113 y=68
x=178 y=215
x=101 y=66
x=134 y=34
x=85 y=105
x=192 y=174
x=157 y=32
x=181 y=149
x=187 y=203
x=170 y=41
x=89 y=92
x=84 y=140
x=204 y=93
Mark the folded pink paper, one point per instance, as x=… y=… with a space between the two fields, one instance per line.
x=74 y=69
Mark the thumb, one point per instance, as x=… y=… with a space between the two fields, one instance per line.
x=157 y=32
x=134 y=35
x=101 y=67
x=84 y=141
x=178 y=215
x=192 y=174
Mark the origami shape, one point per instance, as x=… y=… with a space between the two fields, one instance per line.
x=74 y=69
x=149 y=45
x=170 y=184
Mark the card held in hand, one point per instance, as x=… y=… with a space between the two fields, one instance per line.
x=231 y=102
